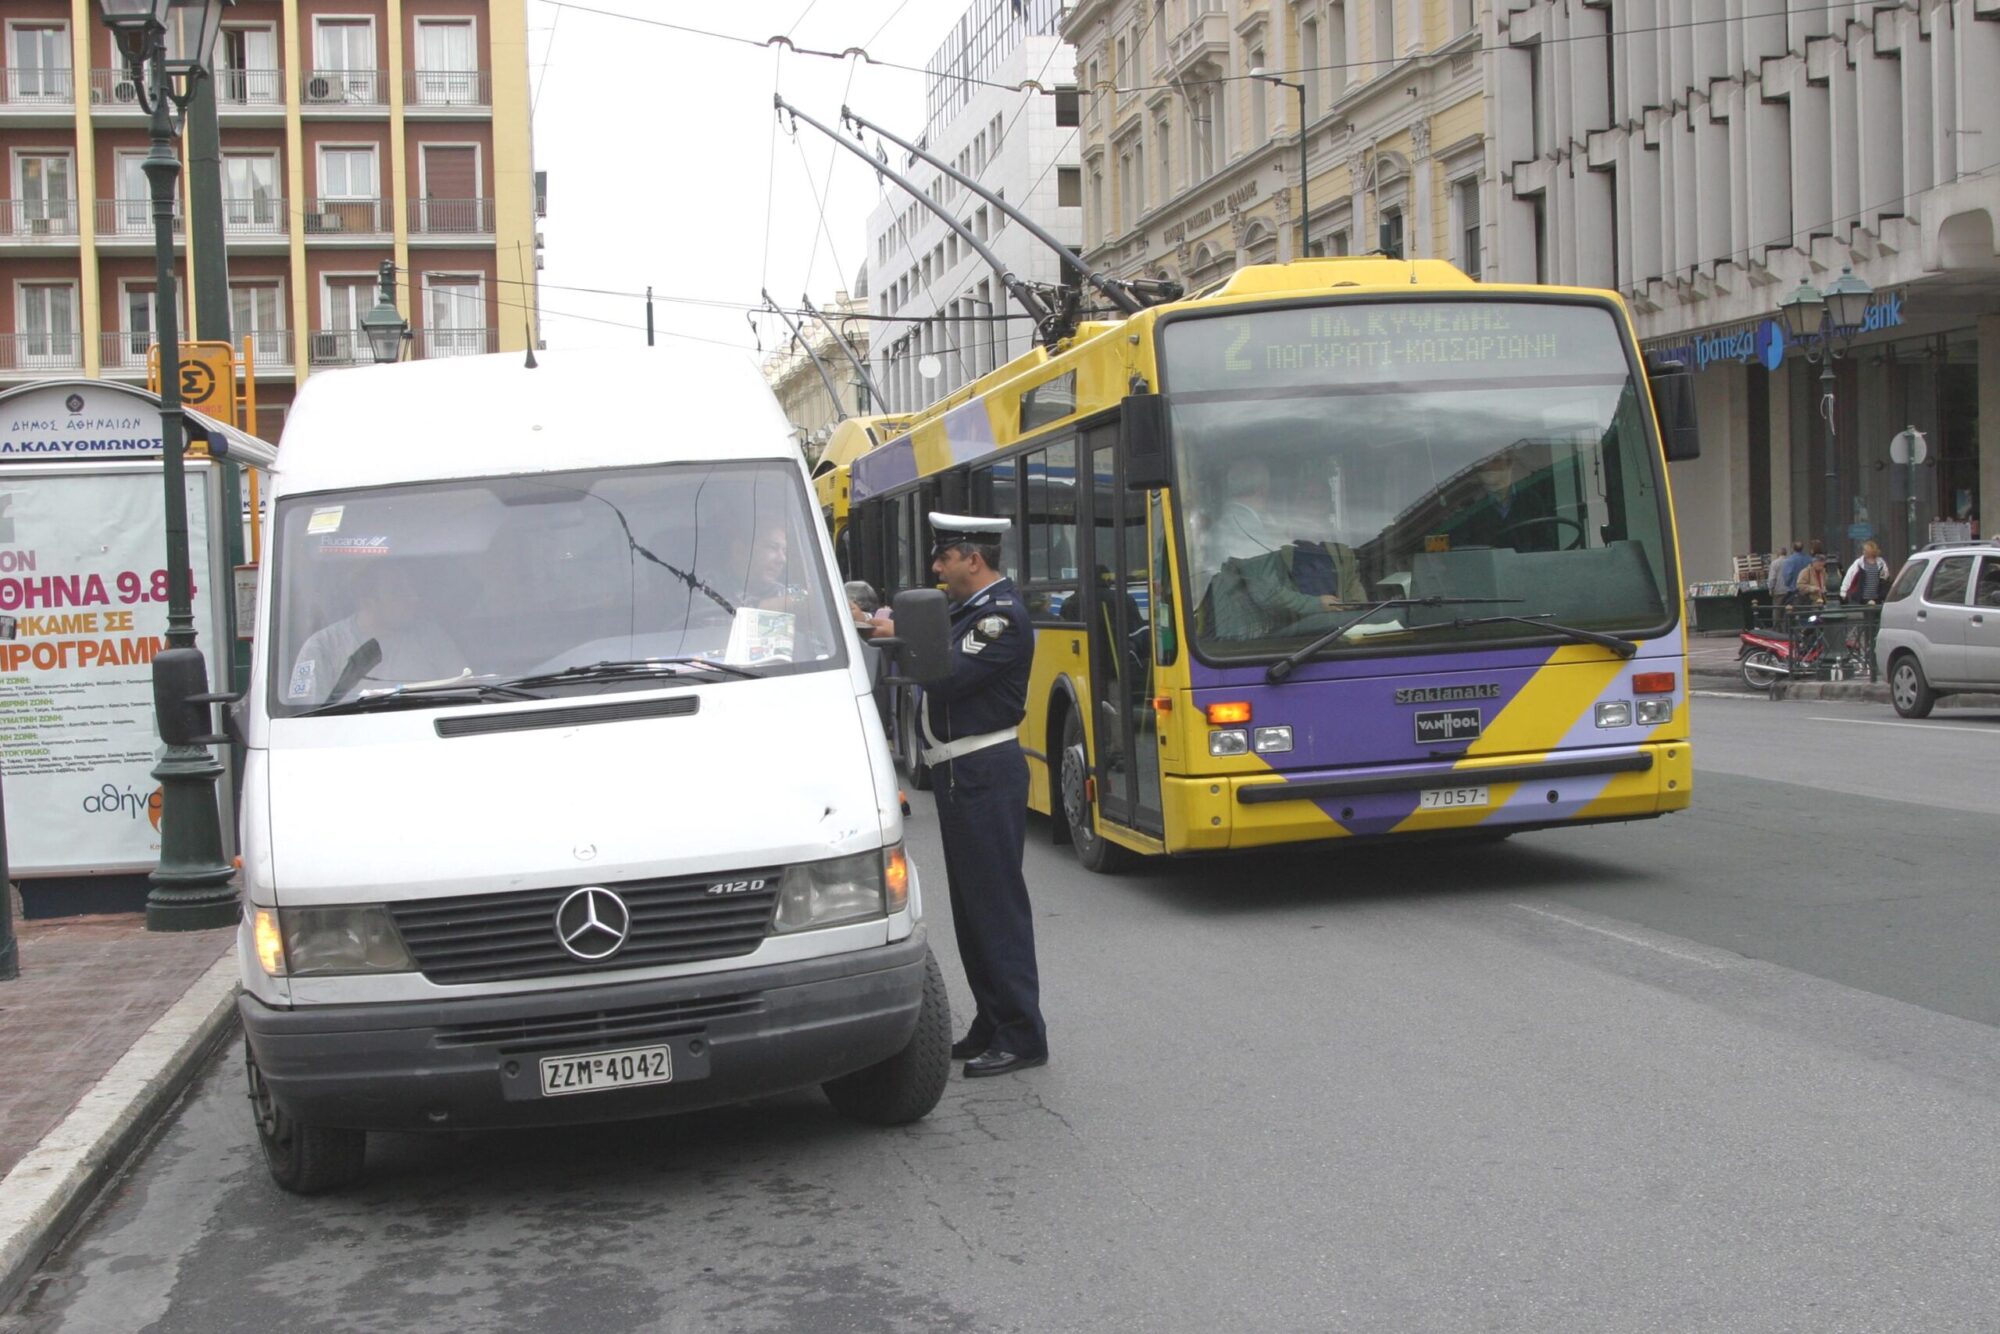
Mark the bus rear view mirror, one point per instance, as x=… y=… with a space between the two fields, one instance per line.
x=922 y=646
x=1673 y=400
x=1142 y=437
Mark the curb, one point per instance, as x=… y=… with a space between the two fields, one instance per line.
x=51 y=1187
x=1869 y=692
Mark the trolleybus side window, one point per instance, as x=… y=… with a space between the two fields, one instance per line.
x=995 y=492
x=1051 y=532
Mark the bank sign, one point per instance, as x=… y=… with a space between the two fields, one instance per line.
x=1764 y=342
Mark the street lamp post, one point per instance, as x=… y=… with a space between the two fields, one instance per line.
x=1305 y=211
x=193 y=887
x=384 y=325
x=1824 y=325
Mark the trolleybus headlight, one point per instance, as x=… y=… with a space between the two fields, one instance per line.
x=1653 y=711
x=357 y=938
x=1271 y=739
x=1231 y=741
x=841 y=889
x=1615 y=713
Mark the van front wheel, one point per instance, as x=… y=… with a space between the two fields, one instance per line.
x=907 y=1086
x=305 y=1160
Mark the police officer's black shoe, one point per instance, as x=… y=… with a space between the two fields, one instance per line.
x=968 y=1047
x=998 y=1061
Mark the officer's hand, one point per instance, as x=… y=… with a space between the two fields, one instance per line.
x=885 y=627
x=1328 y=602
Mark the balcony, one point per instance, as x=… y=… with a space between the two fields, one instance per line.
x=332 y=218
x=451 y=217
x=1206 y=38
x=37 y=221
x=336 y=89
x=338 y=347
x=132 y=220
x=237 y=89
x=36 y=89
x=244 y=219
x=446 y=90
x=123 y=353
x=272 y=349
x=456 y=342
x=126 y=353
x=113 y=90
x=40 y=353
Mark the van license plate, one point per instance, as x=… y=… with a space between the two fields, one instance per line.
x=1451 y=798
x=606 y=1070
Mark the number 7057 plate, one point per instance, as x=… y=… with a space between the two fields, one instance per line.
x=1451 y=798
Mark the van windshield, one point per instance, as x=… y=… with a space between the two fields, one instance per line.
x=491 y=579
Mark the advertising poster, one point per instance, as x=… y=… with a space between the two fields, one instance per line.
x=83 y=609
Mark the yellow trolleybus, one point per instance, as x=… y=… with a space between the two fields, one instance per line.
x=1346 y=548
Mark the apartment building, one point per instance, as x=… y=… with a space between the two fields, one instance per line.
x=1192 y=167
x=796 y=378
x=352 y=131
x=1707 y=159
x=1019 y=144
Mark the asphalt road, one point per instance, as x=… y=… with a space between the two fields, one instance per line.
x=1737 y=1070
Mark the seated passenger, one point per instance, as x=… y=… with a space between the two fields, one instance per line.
x=394 y=617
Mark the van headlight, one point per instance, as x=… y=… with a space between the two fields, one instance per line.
x=842 y=889
x=321 y=942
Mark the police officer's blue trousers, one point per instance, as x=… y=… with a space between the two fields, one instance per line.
x=982 y=802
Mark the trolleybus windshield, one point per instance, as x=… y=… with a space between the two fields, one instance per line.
x=1332 y=456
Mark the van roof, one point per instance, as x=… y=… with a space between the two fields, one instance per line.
x=493 y=415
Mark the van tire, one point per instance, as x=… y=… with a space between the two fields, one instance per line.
x=305 y=1160
x=907 y=1086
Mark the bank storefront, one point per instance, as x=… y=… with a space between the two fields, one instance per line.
x=1921 y=359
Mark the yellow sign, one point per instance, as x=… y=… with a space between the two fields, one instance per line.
x=207 y=379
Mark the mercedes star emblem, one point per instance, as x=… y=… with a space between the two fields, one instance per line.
x=592 y=923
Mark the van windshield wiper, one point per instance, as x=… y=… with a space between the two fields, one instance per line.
x=1618 y=644
x=1286 y=665
x=424 y=694
x=623 y=669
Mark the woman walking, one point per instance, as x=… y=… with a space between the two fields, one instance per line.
x=1867 y=577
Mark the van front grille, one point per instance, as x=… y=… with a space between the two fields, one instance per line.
x=506 y=937
x=631 y=1024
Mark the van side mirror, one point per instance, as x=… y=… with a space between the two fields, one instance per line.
x=1673 y=401
x=1142 y=439
x=922 y=644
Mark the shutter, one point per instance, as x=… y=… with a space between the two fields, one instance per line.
x=451 y=172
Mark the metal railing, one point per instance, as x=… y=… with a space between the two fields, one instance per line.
x=132 y=218
x=37 y=87
x=263 y=216
x=338 y=347
x=41 y=352
x=447 y=88
x=456 y=342
x=342 y=87
x=35 y=220
x=345 y=217
x=1827 y=641
x=113 y=90
x=124 y=352
x=249 y=88
x=446 y=217
x=273 y=348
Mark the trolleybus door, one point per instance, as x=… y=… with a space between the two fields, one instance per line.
x=1127 y=759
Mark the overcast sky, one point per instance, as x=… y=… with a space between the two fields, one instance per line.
x=665 y=169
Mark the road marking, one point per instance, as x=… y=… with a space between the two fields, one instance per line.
x=1726 y=694
x=1884 y=722
x=1620 y=936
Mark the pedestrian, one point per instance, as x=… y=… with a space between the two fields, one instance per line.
x=1811 y=585
x=1785 y=574
x=980 y=779
x=1867 y=577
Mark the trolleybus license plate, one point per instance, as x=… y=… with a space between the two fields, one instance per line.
x=1450 y=798
x=606 y=1070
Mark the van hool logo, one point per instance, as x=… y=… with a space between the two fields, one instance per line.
x=1445 y=694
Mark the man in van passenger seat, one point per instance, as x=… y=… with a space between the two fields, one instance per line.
x=392 y=614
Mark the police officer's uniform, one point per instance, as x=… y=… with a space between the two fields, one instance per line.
x=969 y=724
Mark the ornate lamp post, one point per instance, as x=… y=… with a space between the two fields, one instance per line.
x=194 y=886
x=384 y=325
x=1823 y=324
x=1305 y=212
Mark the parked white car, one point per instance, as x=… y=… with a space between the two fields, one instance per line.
x=1940 y=630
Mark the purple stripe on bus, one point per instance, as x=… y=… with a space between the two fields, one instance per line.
x=878 y=470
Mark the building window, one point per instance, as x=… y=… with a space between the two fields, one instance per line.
x=1464 y=16
x=1391 y=233
x=1538 y=121
x=447 y=71
x=1336 y=49
x=454 y=315
x=250 y=198
x=256 y=318
x=349 y=192
x=1160 y=33
x=38 y=63
x=1066 y=107
x=1139 y=181
x=138 y=307
x=1309 y=63
x=1119 y=72
x=246 y=67
x=1465 y=198
x=343 y=61
x=1541 y=239
x=1260 y=108
x=133 y=208
x=1385 y=36
x=1095 y=220
x=1163 y=159
x=45 y=315
x=1127 y=203
x=1337 y=244
x=45 y=183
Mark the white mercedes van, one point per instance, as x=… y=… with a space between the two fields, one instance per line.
x=566 y=797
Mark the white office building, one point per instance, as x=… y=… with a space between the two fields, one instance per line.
x=941 y=294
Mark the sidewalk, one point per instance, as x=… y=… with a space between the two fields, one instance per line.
x=1712 y=660
x=101 y=1031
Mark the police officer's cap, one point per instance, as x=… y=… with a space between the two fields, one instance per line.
x=953 y=530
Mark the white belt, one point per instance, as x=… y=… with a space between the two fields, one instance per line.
x=937 y=752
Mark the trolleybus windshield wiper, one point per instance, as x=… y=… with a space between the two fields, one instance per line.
x=1286 y=665
x=626 y=668
x=1618 y=644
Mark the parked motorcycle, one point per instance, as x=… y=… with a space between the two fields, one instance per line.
x=1765 y=656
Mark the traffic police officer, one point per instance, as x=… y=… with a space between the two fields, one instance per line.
x=969 y=722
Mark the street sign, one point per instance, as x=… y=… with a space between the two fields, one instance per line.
x=1909 y=447
x=207 y=378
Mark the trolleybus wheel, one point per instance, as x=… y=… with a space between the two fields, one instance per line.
x=1093 y=850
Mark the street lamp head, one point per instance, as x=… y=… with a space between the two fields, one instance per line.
x=1802 y=311
x=186 y=28
x=1847 y=299
x=383 y=324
